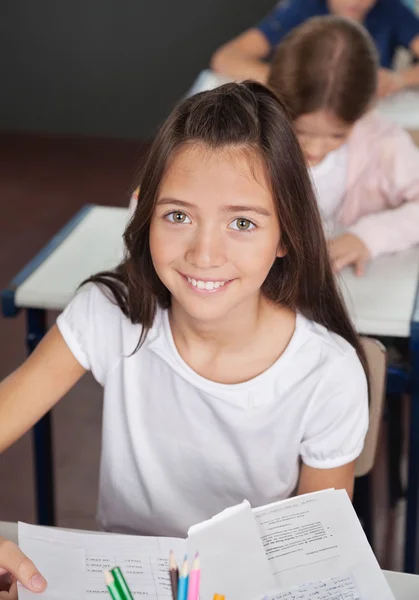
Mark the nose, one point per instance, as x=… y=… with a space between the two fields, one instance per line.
x=207 y=248
x=315 y=147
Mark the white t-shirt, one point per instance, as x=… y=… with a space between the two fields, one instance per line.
x=329 y=180
x=178 y=448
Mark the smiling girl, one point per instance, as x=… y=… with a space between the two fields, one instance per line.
x=229 y=365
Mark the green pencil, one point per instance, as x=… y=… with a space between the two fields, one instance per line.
x=121 y=584
x=112 y=587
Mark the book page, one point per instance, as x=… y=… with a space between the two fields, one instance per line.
x=335 y=588
x=84 y=557
x=317 y=536
x=232 y=556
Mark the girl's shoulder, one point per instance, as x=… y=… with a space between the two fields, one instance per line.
x=375 y=127
x=379 y=148
x=327 y=344
x=97 y=331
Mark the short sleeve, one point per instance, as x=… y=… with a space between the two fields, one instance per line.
x=406 y=24
x=286 y=15
x=337 y=420
x=90 y=326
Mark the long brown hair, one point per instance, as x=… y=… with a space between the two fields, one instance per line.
x=251 y=117
x=327 y=63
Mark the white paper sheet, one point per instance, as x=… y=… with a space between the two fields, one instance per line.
x=314 y=537
x=233 y=560
x=336 y=588
x=61 y=566
x=143 y=560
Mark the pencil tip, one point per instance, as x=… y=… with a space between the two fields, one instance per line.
x=196 y=565
x=185 y=568
x=109 y=580
x=172 y=561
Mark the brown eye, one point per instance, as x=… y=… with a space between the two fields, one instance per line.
x=242 y=224
x=179 y=217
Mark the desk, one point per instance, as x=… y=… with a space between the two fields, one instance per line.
x=403 y=586
x=90 y=242
x=381 y=303
x=401 y=108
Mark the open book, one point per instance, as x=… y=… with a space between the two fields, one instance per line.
x=309 y=547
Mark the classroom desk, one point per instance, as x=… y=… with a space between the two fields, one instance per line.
x=403 y=586
x=384 y=302
x=401 y=108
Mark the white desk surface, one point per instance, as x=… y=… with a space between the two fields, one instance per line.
x=403 y=586
x=380 y=303
x=402 y=108
x=94 y=245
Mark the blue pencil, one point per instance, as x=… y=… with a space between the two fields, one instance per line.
x=182 y=589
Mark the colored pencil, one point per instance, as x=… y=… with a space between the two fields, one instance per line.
x=218 y=597
x=194 y=579
x=174 y=574
x=182 y=589
x=121 y=584
x=112 y=588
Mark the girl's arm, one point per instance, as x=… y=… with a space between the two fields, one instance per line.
x=242 y=58
x=410 y=77
x=314 y=480
x=33 y=389
x=396 y=228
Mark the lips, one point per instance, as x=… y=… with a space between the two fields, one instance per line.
x=206 y=285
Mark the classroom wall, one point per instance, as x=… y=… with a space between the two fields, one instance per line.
x=107 y=67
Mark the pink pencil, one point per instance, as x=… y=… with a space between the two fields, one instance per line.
x=194 y=579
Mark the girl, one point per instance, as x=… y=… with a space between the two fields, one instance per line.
x=390 y=23
x=229 y=365
x=365 y=170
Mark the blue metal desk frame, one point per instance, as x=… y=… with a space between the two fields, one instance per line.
x=36 y=327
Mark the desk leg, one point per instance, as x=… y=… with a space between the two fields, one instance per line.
x=411 y=536
x=36 y=329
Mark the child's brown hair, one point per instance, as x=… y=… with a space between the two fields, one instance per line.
x=327 y=63
x=250 y=117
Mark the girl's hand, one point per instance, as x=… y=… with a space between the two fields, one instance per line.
x=348 y=249
x=14 y=567
x=389 y=82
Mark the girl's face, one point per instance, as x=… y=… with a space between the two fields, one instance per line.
x=214 y=234
x=351 y=9
x=319 y=133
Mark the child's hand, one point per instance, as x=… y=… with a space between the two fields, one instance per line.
x=348 y=249
x=15 y=566
x=389 y=82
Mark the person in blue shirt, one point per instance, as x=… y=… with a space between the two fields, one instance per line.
x=390 y=23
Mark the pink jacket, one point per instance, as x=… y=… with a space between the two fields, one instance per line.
x=381 y=201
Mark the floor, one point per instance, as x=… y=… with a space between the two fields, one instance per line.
x=43 y=182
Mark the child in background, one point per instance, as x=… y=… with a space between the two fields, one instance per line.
x=230 y=367
x=365 y=170
x=390 y=23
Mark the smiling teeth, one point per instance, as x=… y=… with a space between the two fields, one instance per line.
x=205 y=285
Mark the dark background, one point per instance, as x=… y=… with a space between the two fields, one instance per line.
x=109 y=68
